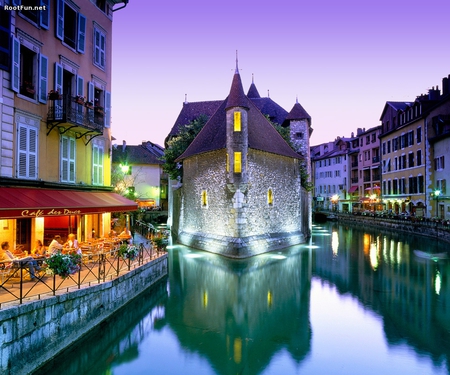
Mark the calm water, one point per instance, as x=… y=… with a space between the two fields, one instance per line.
x=349 y=302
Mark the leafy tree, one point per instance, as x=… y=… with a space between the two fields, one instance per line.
x=178 y=144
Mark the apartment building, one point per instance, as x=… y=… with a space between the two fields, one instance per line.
x=56 y=126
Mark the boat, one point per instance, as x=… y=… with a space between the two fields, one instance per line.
x=430 y=256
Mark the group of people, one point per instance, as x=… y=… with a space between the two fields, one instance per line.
x=57 y=244
x=28 y=260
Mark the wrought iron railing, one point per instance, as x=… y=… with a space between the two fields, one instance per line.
x=68 y=110
x=96 y=268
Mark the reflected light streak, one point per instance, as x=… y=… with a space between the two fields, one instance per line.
x=334 y=243
x=278 y=257
x=193 y=255
x=437 y=282
x=373 y=256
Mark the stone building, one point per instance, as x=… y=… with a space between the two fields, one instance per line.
x=241 y=193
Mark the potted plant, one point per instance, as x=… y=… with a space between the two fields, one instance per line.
x=99 y=109
x=79 y=99
x=89 y=105
x=160 y=243
x=54 y=95
x=128 y=252
x=63 y=265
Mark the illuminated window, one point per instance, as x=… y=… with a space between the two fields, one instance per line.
x=270 y=197
x=237 y=121
x=228 y=163
x=204 y=198
x=237 y=162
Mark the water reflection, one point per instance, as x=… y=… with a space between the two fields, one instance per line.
x=254 y=316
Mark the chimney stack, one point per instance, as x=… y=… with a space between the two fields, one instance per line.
x=124 y=145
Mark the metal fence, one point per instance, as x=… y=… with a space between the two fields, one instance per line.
x=17 y=287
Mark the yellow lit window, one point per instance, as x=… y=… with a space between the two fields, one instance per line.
x=270 y=197
x=228 y=163
x=237 y=162
x=237 y=121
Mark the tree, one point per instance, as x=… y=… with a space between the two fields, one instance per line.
x=124 y=180
x=178 y=144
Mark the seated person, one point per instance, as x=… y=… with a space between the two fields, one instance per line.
x=5 y=254
x=39 y=249
x=72 y=243
x=56 y=245
x=127 y=234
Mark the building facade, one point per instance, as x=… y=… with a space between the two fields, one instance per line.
x=56 y=131
x=241 y=191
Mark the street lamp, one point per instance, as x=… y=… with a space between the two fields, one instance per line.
x=437 y=193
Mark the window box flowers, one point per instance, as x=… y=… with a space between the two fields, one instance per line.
x=63 y=265
x=79 y=99
x=54 y=95
x=29 y=87
x=89 y=105
x=99 y=110
x=130 y=252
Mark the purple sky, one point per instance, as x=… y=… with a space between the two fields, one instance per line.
x=342 y=59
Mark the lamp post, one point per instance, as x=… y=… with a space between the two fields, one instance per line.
x=437 y=193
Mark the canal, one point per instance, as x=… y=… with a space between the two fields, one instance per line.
x=351 y=301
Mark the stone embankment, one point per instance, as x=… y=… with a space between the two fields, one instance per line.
x=419 y=228
x=35 y=332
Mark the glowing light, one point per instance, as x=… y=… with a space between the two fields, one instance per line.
x=269 y=299
x=278 y=257
x=373 y=256
x=335 y=243
x=312 y=247
x=205 y=299
x=437 y=282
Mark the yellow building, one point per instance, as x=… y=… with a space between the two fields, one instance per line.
x=55 y=164
x=403 y=153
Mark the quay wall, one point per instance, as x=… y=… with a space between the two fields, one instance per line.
x=396 y=225
x=35 y=332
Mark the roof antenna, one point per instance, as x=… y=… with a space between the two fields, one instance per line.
x=185 y=99
x=268 y=94
x=253 y=78
x=296 y=99
x=237 y=68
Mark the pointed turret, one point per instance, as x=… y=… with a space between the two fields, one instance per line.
x=253 y=91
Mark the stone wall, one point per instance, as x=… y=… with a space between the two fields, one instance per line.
x=236 y=218
x=34 y=332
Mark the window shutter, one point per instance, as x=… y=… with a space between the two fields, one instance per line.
x=100 y=165
x=94 y=165
x=80 y=86
x=90 y=92
x=58 y=77
x=27 y=152
x=81 y=33
x=43 y=81
x=45 y=14
x=107 y=109
x=64 y=159
x=60 y=19
x=32 y=152
x=71 y=159
x=15 y=64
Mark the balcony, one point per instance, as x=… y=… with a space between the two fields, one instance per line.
x=354 y=164
x=67 y=114
x=376 y=159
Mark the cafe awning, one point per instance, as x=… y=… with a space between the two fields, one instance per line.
x=32 y=202
x=353 y=189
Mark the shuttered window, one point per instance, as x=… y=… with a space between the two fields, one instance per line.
x=237 y=121
x=27 y=157
x=67 y=159
x=97 y=165
x=99 y=48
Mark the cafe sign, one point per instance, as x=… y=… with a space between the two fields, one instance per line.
x=50 y=212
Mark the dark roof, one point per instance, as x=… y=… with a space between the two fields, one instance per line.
x=397 y=106
x=298 y=113
x=146 y=153
x=237 y=97
x=268 y=107
x=253 y=92
x=261 y=134
x=191 y=111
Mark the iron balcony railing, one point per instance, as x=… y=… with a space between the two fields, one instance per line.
x=76 y=113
